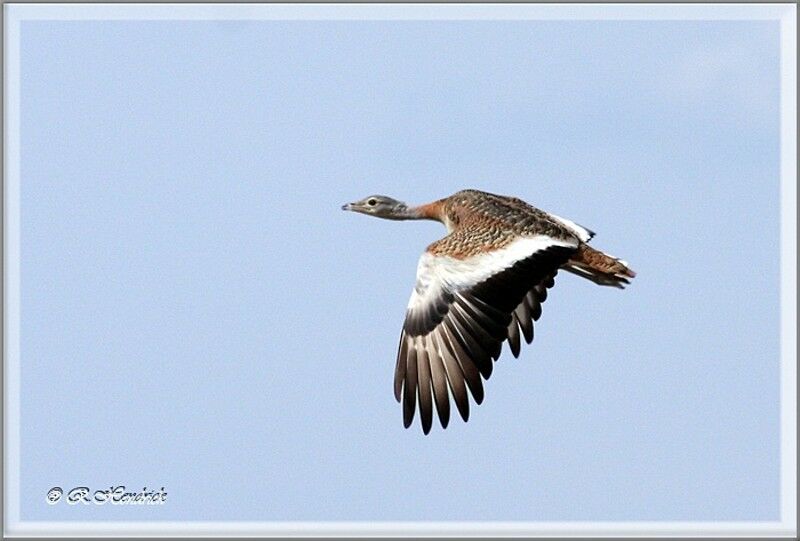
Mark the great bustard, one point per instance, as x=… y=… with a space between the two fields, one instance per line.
x=476 y=288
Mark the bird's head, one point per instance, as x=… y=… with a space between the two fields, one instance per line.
x=380 y=206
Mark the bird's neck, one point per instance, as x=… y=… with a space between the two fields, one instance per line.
x=421 y=212
x=429 y=211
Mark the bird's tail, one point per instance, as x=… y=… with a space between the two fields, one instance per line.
x=601 y=268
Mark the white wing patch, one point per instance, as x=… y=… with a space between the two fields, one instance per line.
x=436 y=273
x=581 y=232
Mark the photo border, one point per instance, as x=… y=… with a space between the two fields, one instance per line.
x=14 y=14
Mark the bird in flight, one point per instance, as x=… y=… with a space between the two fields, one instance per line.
x=481 y=285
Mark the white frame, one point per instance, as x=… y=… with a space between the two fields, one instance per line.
x=785 y=13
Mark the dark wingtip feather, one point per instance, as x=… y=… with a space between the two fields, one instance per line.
x=463 y=409
x=472 y=378
x=400 y=367
x=536 y=311
x=438 y=381
x=426 y=416
x=454 y=374
x=513 y=336
x=410 y=388
x=424 y=389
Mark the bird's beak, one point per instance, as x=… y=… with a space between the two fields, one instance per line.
x=347 y=206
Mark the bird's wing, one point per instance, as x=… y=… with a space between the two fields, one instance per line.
x=458 y=318
x=578 y=230
x=526 y=312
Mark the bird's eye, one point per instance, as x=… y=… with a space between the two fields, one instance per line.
x=372 y=202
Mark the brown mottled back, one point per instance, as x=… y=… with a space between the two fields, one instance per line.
x=482 y=221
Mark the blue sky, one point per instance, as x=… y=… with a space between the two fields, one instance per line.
x=199 y=314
